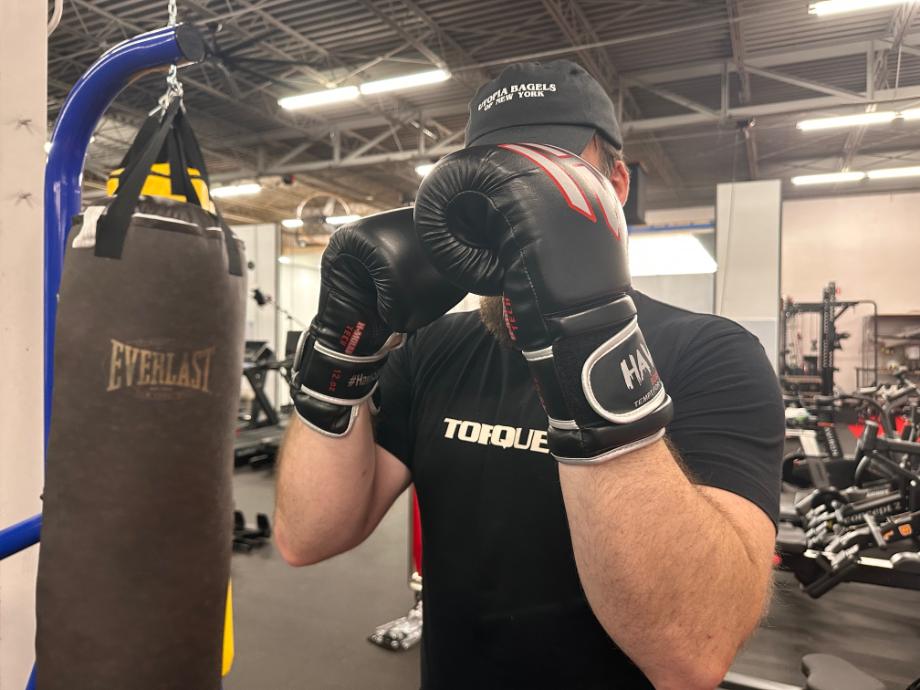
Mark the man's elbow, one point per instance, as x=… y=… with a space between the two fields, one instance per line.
x=296 y=553
x=303 y=552
x=694 y=673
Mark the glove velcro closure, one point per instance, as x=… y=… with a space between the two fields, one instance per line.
x=593 y=445
x=328 y=386
x=335 y=377
x=326 y=418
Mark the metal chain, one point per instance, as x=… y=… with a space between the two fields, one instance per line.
x=173 y=85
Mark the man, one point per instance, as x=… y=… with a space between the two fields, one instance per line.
x=646 y=570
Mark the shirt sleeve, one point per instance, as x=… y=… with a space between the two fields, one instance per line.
x=729 y=425
x=392 y=427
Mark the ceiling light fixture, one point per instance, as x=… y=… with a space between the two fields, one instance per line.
x=350 y=93
x=341 y=220
x=828 y=178
x=827 y=7
x=876 y=118
x=236 y=190
x=424 y=168
x=892 y=173
x=408 y=81
x=292 y=223
x=315 y=98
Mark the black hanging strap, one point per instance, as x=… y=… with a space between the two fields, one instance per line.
x=192 y=156
x=172 y=134
x=112 y=228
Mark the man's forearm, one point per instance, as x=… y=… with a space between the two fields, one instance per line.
x=664 y=569
x=324 y=488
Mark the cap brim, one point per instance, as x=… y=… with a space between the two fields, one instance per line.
x=572 y=138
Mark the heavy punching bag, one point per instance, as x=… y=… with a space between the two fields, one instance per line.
x=137 y=518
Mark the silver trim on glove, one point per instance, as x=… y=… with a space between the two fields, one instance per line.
x=565 y=424
x=615 y=453
x=538 y=355
x=384 y=350
x=344 y=402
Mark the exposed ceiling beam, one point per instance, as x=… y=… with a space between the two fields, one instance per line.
x=687 y=103
x=360 y=161
x=764 y=109
x=711 y=68
x=473 y=77
x=804 y=83
x=739 y=55
x=899 y=25
x=414 y=41
x=573 y=24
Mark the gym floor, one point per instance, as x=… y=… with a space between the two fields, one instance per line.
x=307 y=628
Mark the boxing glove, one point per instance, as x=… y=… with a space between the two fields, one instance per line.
x=544 y=229
x=376 y=285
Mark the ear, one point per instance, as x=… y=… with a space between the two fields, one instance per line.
x=619 y=178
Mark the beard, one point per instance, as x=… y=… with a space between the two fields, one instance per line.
x=492 y=313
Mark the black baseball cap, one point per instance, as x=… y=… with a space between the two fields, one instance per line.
x=556 y=103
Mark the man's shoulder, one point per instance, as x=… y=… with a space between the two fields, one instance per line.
x=661 y=320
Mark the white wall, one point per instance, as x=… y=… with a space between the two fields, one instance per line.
x=748 y=237
x=868 y=244
x=692 y=292
x=261 y=323
x=23 y=108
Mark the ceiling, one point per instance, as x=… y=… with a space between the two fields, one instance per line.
x=709 y=90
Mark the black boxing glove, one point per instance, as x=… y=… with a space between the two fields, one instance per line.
x=545 y=229
x=377 y=284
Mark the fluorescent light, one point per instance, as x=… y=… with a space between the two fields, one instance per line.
x=350 y=93
x=292 y=223
x=314 y=98
x=341 y=220
x=408 y=81
x=236 y=190
x=284 y=259
x=891 y=173
x=424 y=169
x=827 y=7
x=668 y=254
x=876 y=118
x=828 y=178
x=913 y=114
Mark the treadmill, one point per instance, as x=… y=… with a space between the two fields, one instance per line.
x=262 y=427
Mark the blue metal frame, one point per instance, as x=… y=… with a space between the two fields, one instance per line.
x=85 y=105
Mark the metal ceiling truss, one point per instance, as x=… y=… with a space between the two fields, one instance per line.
x=877 y=73
x=267 y=49
x=571 y=20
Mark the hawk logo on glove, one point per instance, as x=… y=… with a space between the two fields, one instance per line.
x=637 y=366
x=576 y=192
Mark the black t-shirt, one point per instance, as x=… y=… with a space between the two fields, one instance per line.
x=503 y=605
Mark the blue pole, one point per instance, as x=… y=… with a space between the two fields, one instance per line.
x=22 y=535
x=78 y=118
